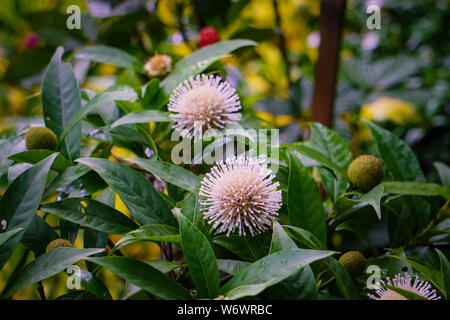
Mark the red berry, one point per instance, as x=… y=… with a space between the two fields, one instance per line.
x=208 y=35
x=32 y=40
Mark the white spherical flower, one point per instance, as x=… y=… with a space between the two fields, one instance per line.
x=158 y=65
x=239 y=194
x=203 y=102
x=421 y=288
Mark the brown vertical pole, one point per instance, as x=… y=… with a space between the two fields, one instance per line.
x=332 y=15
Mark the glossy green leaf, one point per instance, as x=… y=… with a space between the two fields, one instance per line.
x=343 y=280
x=373 y=198
x=248 y=290
x=91 y=213
x=231 y=266
x=144 y=276
x=38 y=235
x=444 y=173
x=247 y=247
x=200 y=60
x=144 y=116
x=8 y=234
x=278 y=266
x=305 y=238
x=317 y=156
x=125 y=93
x=171 y=173
x=93 y=284
x=445 y=272
x=304 y=200
x=20 y=202
x=45 y=266
x=200 y=258
x=110 y=55
x=280 y=239
x=416 y=188
x=61 y=101
x=150 y=232
x=138 y=194
x=396 y=155
x=300 y=285
x=35 y=156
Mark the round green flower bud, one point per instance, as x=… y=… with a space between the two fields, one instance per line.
x=58 y=243
x=354 y=262
x=365 y=172
x=41 y=138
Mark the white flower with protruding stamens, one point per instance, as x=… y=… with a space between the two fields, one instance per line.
x=421 y=288
x=239 y=194
x=202 y=103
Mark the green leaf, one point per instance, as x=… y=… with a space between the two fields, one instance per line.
x=317 y=156
x=300 y=285
x=428 y=272
x=280 y=239
x=373 y=198
x=144 y=276
x=200 y=60
x=305 y=238
x=8 y=234
x=343 y=280
x=91 y=213
x=248 y=290
x=163 y=265
x=231 y=266
x=126 y=93
x=246 y=247
x=445 y=272
x=45 y=266
x=416 y=188
x=396 y=155
x=403 y=165
x=150 y=232
x=171 y=173
x=105 y=54
x=38 y=235
x=444 y=173
x=138 y=194
x=144 y=116
x=92 y=284
x=330 y=144
x=200 y=258
x=304 y=200
x=35 y=156
x=277 y=266
x=68 y=176
x=61 y=101
x=20 y=202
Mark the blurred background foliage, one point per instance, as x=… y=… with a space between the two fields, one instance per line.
x=397 y=76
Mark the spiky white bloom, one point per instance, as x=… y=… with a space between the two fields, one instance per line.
x=421 y=288
x=158 y=65
x=239 y=194
x=202 y=103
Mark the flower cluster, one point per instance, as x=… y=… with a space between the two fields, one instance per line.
x=421 y=288
x=202 y=103
x=240 y=195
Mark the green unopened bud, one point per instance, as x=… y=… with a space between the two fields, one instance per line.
x=58 y=243
x=41 y=138
x=365 y=172
x=354 y=262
